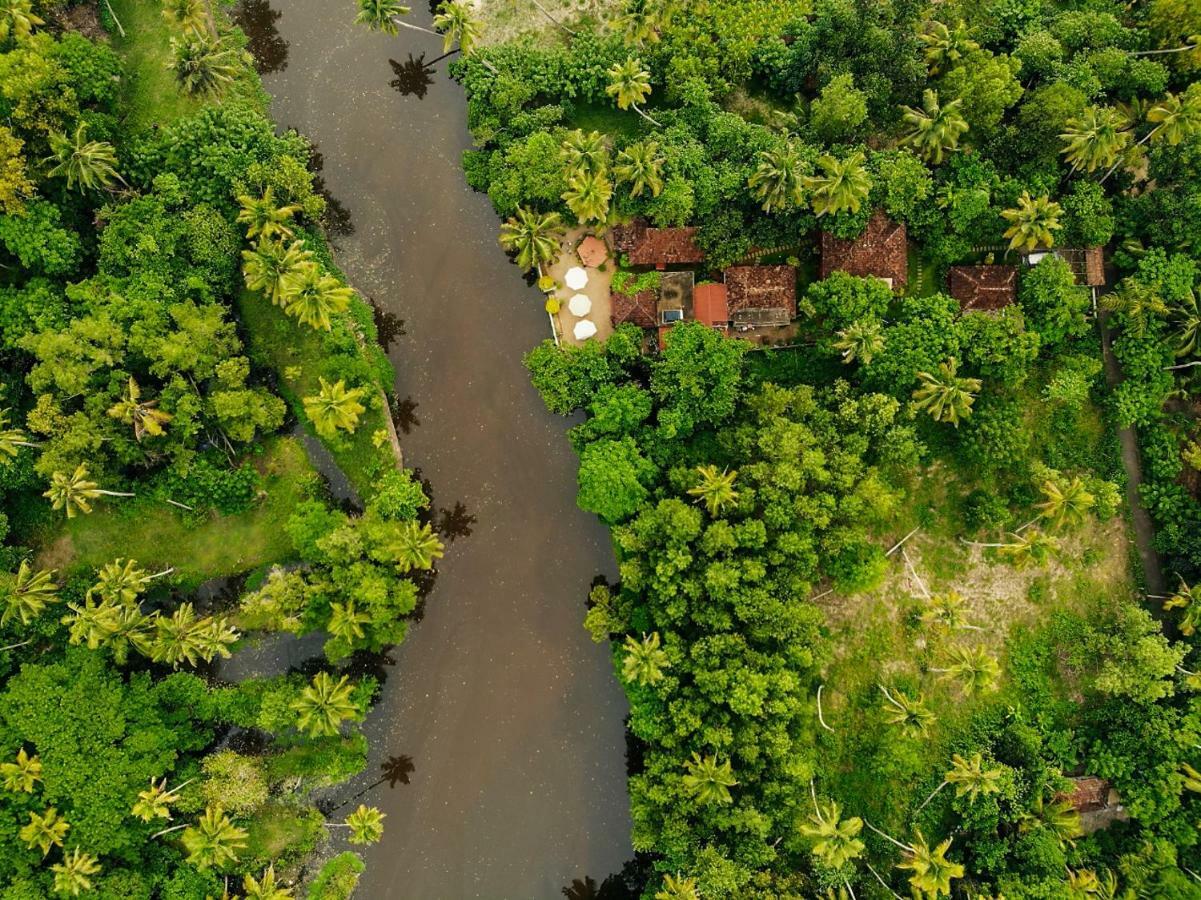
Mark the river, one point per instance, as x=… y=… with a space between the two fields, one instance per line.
x=509 y=714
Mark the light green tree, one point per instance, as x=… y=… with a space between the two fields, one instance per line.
x=973 y=668
x=381 y=15
x=366 y=825
x=88 y=165
x=534 y=237
x=1033 y=222
x=324 y=704
x=346 y=621
x=21 y=776
x=776 y=182
x=630 y=85
x=862 y=340
x=835 y=839
x=970 y=777
x=944 y=47
x=644 y=659
x=708 y=780
x=677 y=887
x=28 y=594
x=1057 y=816
x=74 y=874
x=936 y=128
x=214 y=841
x=459 y=25
x=155 y=802
x=715 y=489
x=945 y=394
x=144 y=415
x=910 y=713
x=1095 y=138
x=17 y=19
x=263 y=217
x=45 y=830
x=335 y=408
x=11 y=438
x=1187 y=599
x=1065 y=504
x=640 y=165
x=203 y=66
x=1177 y=117
x=588 y=195
x=189 y=17
x=265 y=887
x=75 y=493
x=313 y=297
x=842 y=185
x=415 y=546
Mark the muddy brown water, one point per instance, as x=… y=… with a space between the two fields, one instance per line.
x=509 y=716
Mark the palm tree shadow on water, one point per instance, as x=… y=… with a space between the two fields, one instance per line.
x=257 y=19
x=413 y=77
x=628 y=884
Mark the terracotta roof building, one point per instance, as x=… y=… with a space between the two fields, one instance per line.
x=658 y=247
x=761 y=295
x=983 y=287
x=881 y=251
x=639 y=309
x=592 y=251
x=710 y=306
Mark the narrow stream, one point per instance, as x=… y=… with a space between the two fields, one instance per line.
x=509 y=716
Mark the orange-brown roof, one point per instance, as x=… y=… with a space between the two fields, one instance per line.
x=1088 y=793
x=881 y=251
x=592 y=251
x=1087 y=264
x=709 y=304
x=983 y=287
x=761 y=287
x=657 y=246
x=639 y=309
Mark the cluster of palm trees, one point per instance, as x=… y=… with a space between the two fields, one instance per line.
x=335 y=408
x=781 y=181
x=454 y=21
x=203 y=63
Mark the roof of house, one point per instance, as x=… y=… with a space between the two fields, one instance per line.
x=657 y=246
x=592 y=251
x=1088 y=793
x=639 y=308
x=709 y=304
x=881 y=251
x=983 y=287
x=761 y=287
x=1088 y=264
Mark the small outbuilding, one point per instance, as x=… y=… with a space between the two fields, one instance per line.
x=657 y=247
x=710 y=305
x=761 y=295
x=1087 y=263
x=882 y=251
x=592 y=251
x=640 y=309
x=986 y=288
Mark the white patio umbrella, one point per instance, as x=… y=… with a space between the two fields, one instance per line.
x=584 y=329
x=579 y=305
x=576 y=278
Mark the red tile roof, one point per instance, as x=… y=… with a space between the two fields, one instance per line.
x=639 y=309
x=881 y=251
x=592 y=251
x=709 y=304
x=983 y=287
x=1088 y=793
x=657 y=246
x=761 y=287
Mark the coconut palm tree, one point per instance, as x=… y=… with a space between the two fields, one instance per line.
x=312 y=297
x=588 y=195
x=932 y=871
x=1137 y=302
x=533 y=236
x=93 y=621
x=416 y=546
x=366 y=825
x=21 y=776
x=1031 y=546
x=181 y=637
x=843 y=185
x=335 y=408
x=1033 y=222
x=970 y=778
x=911 y=713
x=1190 y=778
x=584 y=151
x=642 y=20
x=641 y=166
x=346 y=622
x=323 y=704
x=17 y=19
x=1065 y=504
x=1057 y=816
x=630 y=85
x=144 y=415
x=265 y=887
x=861 y=340
x=644 y=660
x=263 y=217
x=381 y=15
x=947 y=612
x=1186 y=325
x=190 y=17
x=936 y=128
x=1176 y=117
x=835 y=839
x=267 y=265
x=155 y=802
x=1095 y=138
x=946 y=395
x=74 y=493
x=1085 y=884
x=29 y=594
x=73 y=875
x=974 y=668
x=715 y=489
x=90 y=165
x=45 y=830
x=1187 y=599
x=1192 y=42
x=459 y=25
x=676 y=887
x=11 y=438
x=214 y=841
x=708 y=780
x=776 y=181
x=943 y=46
x=203 y=66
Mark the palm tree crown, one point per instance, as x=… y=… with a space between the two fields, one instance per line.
x=323 y=704
x=946 y=395
x=630 y=85
x=715 y=489
x=416 y=546
x=533 y=236
x=644 y=660
x=379 y=15
x=214 y=840
x=22 y=775
x=366 y=825
x=18 y=19
x=843 y=185
x=1033 y=222
x=709 y=780
x=90 y=165
x=945 y=46
x=1095 y=138
x=335 y=408
x=313 y=297
x=588 y=195
x=269 y=263
x=263 y=217
x=202 y=65
x=73 y=875
x=144 y=415
x=935 y=128
x=835 y=840
x=458 y=25
x=861 y=340
x=641 y=166
x=776 y=181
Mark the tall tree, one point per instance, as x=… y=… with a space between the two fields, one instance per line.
x=1065 y=504
x=190 y=17
x=459 y=25
x=776 y=181
x=862 y=340
x=73 y=875
x=90 y=165
x=268 y=264
x=708 y=780
x=630 y=85
x=415 y=546
x=366 y=825
x=588 y=195
x=945 y=47
x=22 y=775
x=346 y=621
x=335 y=408
x=714 y=489
x=1033 y=222
x=677 y=887
x=17 y=19
x=835 y=839
x=936 y=128
x=144 y=415
x=640 y=165
x=265 y=887
x=264 y=217
x=45 y=830
x=28 y=594
x=585 y=151
x=945 y=394
x=313 y=297
x=1188 y=599
x=381 y=15
x=644 y=660
x=203 y=66
x=910 y=713
x=214 y=841
x=974 y=668
x=1177 y=117
x=11 y=437
x=75 y=493
x=533 y=236
x=1095 y=138
x=842 y=186
x=642 y=21
x=324 y=704
x=970 y=777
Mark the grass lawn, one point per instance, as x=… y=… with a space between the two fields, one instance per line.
x=295 y=353
x=158 y=535
x=151 y=93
